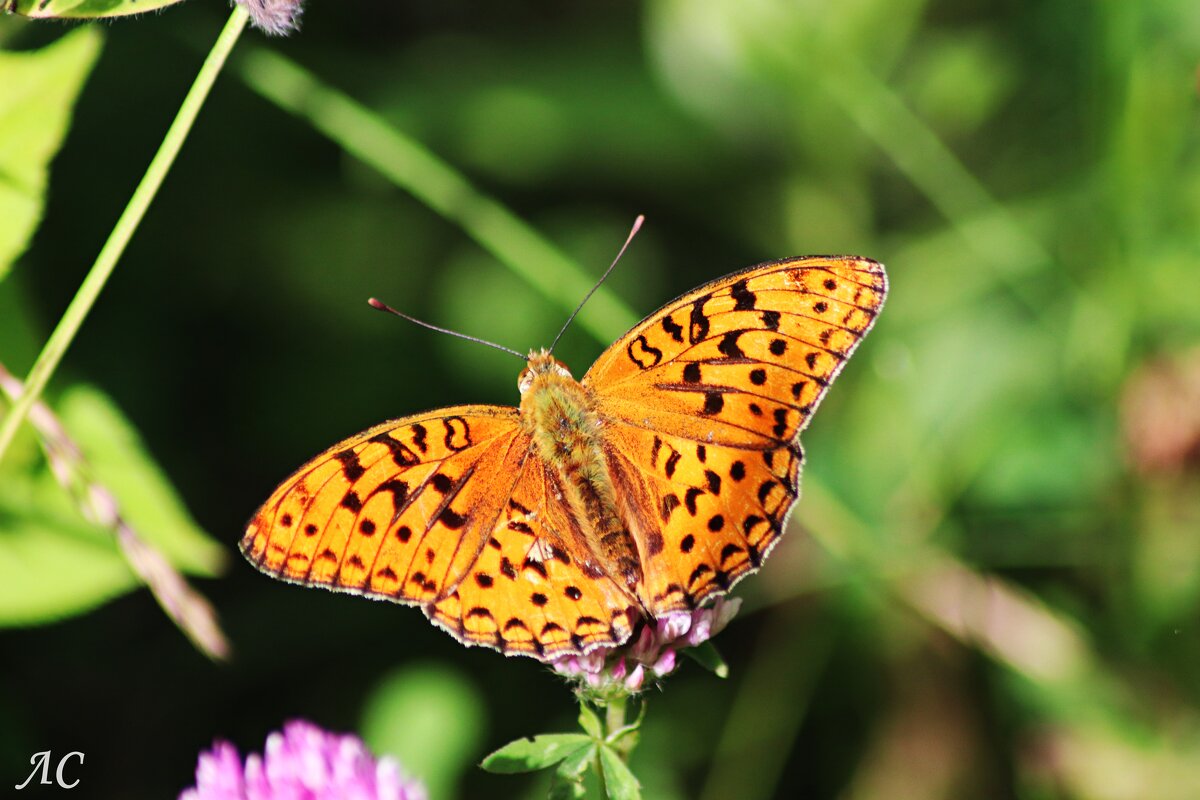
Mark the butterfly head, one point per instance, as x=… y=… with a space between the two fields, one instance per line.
x=541 y=363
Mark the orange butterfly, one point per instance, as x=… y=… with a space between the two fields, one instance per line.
x=654 y=483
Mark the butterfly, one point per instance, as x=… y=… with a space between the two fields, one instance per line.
x=654 y=483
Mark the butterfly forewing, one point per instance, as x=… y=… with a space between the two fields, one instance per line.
x=399 y=511
x=744 y=360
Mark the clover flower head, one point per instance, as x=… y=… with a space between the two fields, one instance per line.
x=651 y=654
x=301 y=762
x=278 y=17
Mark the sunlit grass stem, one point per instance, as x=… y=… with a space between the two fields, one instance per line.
x=68 y=326
x=362 y=133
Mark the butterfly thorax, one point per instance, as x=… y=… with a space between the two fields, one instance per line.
x=559 y=414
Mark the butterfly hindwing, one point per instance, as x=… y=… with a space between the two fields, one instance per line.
x=535 y=588
x=705 y=515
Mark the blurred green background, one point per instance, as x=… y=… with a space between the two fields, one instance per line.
x=990 y=587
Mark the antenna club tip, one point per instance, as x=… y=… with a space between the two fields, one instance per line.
x=376 y=303
x=637 y=223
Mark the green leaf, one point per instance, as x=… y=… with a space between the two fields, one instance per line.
x=706 y=655
x=590 y=722
x=148 y=501
x=618 y=779
x=52 y=563
x=561 y=789
x=577 y=763
x=535 y=752
x=83 y=9
x=567 y=783
x=36 y=98
x=430 y=717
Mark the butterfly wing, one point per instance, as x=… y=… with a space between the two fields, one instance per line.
x=399 y=511
x=427 y=510
x=536 y=588
x=703 y=403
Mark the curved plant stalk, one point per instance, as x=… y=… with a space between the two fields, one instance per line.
x=186 y=607
x=362 y=133
x=143 y=195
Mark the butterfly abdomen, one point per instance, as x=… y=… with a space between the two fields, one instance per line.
x=558 y=413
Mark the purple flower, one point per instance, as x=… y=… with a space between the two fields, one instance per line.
x=650 y=654
x=278 y=17
x=302 y=762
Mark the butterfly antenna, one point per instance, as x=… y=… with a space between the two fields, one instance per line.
x=637 y=225
x=385 y=307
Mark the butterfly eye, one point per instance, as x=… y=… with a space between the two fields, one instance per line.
x=525 y=380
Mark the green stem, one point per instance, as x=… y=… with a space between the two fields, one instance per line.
x=97 y=277
x=600 y=776
x=614 y=720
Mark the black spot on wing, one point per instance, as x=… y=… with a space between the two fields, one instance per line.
x=401 y=454
x=729 y=345
x=698 y=325
x=351 y=467
x=641 y=353
x=458 y=433
x=398 y=489
x=669 y=503
x=451 y=518
x=742 y=294
x=781 y=423
x=673 y=328
x=419 y=433
x=672 y=463
x=536 y=566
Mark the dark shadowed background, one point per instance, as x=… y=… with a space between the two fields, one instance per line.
x=990 y=586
